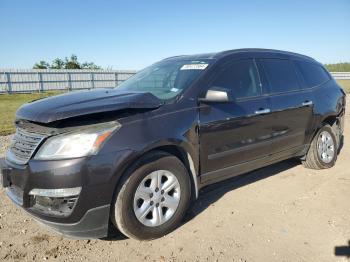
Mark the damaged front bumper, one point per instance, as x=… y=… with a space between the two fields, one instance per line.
x=70 y=196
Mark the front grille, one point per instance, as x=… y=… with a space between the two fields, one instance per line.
x=23 y=146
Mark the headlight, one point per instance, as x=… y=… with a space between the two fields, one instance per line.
x=85 y=142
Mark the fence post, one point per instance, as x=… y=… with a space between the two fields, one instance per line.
x=41 y=84
x=69 y=82
x=92 y=77
x=9 y=84
x=116 y=78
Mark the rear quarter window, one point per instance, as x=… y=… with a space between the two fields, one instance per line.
x=281 y=75
x=313 y=74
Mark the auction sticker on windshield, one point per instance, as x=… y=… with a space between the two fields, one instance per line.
x=194 y=67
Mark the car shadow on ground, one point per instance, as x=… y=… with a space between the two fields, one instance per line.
x=213 y=193
x=342 y=251
x=341 y=144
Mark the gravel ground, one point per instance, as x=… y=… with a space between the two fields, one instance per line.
x=279 y=213
x=4 y=142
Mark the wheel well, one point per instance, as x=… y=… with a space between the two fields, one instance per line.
x=184 y=158
x=172 y=150
x=181 y=154
x=330 y=120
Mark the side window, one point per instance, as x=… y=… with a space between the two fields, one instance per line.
x=241 y=77
x=281 y=75
x=313 y=74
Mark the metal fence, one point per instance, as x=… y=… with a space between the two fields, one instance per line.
x=341 y=75
x=16 y=81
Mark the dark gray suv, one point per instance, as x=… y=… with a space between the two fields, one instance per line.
x=136 y=155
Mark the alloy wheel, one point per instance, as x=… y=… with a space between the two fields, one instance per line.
x=157 y=198
x=325 y=147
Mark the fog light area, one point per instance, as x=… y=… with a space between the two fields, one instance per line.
x=54 y=202
x=60 y=192
x=54 y=206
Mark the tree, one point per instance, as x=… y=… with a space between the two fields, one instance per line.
x=68 y=63
x=90 y=65
x=339 y=67
x=72 y=62
x=41 y=65
x=57 y=64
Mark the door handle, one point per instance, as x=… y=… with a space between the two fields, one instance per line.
x=262 y=111
x=307 y=103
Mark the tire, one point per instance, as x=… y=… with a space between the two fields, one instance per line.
x=160 y=220
x=313 y=159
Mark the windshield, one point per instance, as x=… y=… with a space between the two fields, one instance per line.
x=165 y=79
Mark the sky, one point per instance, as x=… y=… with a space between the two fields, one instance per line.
x=133 y=34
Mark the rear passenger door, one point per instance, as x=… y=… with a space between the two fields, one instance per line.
x=291 y=106
x=313 y=77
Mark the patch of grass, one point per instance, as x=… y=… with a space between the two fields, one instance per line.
x=345 y=84
x=9 y=105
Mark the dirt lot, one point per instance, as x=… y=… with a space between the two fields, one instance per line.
x=280 y=213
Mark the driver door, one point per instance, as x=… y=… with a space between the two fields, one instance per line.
x=235 y=133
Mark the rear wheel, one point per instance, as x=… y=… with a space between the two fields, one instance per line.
x=323 y=150
x=153 y=198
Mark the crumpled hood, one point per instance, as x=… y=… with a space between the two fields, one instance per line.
x=83 y=103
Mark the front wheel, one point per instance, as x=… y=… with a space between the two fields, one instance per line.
x=153 y=198
x=323 y=150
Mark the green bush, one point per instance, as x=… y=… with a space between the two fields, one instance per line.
x=339 y=67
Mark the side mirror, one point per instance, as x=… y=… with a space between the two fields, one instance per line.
x=216 y=95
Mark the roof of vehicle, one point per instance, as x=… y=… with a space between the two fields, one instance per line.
x=222 y=54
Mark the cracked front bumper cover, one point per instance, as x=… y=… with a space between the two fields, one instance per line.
x=92 y=225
